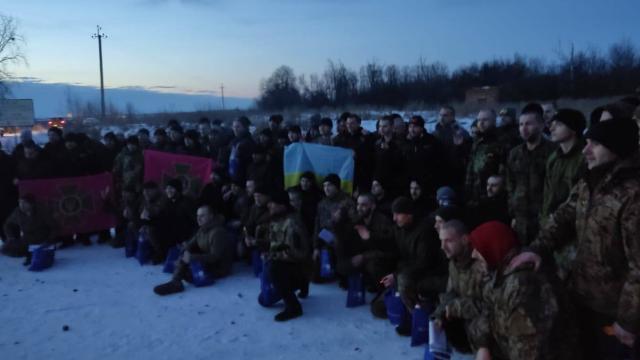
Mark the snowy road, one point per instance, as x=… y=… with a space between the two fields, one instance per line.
x=108 y=304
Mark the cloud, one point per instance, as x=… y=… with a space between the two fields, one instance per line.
x=162 y=87
x=27 y=79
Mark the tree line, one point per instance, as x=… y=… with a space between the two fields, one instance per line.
x=579 y=74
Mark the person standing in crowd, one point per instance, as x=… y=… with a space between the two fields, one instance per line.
x=494 y=206
x=565 y=165
x=324 y=129
x=508 y=129
x=603 y=211
x=242 y=147
x=525 y=173
x=128 y=166
x=424 y=158
x=358 y=140
x=387 y=158
x=486 y=158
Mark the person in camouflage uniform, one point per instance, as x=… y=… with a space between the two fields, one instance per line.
x=211 y=245
x=459 y=304
x=128 y=166
x=525 y=173
x=486 y=158
x=564 y=168
x=288 y=251
x=27 y=225
x=603 y=212
x=334 y=199
x=566 y=164
x=519 y=310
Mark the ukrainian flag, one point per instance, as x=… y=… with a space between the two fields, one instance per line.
x=322 y=160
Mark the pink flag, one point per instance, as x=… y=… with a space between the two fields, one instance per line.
x=75 y=203
x=193 y=171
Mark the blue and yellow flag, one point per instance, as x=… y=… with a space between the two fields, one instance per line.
x=322 y=160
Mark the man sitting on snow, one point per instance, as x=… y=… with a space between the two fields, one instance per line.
x=211 y=246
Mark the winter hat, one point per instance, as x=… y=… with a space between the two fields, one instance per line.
x=333 y=179
x=327 y=122
x=402 y=205
x=451 y=212
x=511 y=112
x=417 y=120
x=244 y=121
x=446 y=196
x=533 y=108
x=176 y=184
x=493 y=240
x=572 y=118
x=26 y=134
x=133 y=140
x=618 y=135
x=192 y=134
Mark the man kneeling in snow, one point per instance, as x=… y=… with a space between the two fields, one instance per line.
x=211 y=246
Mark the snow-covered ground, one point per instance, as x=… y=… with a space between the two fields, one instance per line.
x=107 y=302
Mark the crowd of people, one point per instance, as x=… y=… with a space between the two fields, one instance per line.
x=521 y=236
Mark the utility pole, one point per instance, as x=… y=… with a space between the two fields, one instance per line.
x=98 y=35
x=222 y=92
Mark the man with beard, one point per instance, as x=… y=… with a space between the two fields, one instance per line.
x=366 y=245
x=459 y=304
x=387 y=156
x=525 y=173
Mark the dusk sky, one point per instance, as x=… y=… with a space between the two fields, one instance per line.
x=192 y=46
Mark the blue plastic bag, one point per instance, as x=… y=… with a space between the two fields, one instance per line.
x=172 y=256
x=42 y=258
x=143 y=250
x=130 y=243
x=200 y=276
x=256 y=262
x=326 y=268
x=355 y=291
x=396 y=311
x=268 y=293
x=419 y=326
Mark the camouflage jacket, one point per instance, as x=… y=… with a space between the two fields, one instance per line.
x=128 y=169
x=518 y=316
x=487 y=157
x=463 y=297
x=288 y=240
x=326 y=208
x=213 y=247
x=36 y=229
x=562 y=172
x=525 y=185
x=605 y=219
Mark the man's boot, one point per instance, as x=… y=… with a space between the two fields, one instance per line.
x=172 y=287
x=288 y=314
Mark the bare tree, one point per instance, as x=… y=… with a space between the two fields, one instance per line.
x=10 y=49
